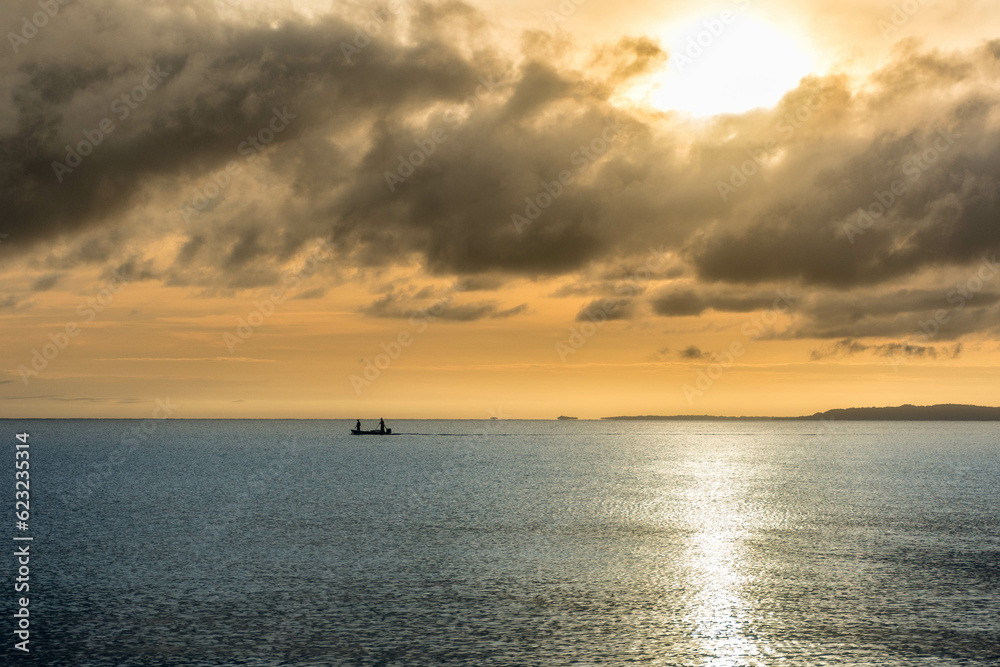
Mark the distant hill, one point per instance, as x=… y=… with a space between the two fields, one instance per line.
x=564 y=417
x=943 y=412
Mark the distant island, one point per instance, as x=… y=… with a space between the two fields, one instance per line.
x=565 y=417
x=943 y=412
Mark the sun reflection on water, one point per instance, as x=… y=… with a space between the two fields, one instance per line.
x=719 y=615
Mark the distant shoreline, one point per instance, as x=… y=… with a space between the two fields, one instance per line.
x=943 y=412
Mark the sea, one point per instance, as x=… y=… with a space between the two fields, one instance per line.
x=266 y=543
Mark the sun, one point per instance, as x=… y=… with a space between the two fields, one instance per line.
x=727 y=63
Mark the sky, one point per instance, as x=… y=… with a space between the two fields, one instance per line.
x=413 y=209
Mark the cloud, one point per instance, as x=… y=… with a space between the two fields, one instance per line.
x=484 y=283
x=850 y=347
x=683 y=302
x=511 y=121
x=13 y=303
x=314 y=293
x=600 y=287
x=395 y=306
x=679 y=303
x=876 y=312
x=510 y=126
x=946 y=315
x=944 y=163
x=204 y=108
x=607 y=309
x=135 y=269
x=45 y=282
x=692 y=352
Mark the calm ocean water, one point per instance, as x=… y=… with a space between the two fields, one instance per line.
x=510 y=543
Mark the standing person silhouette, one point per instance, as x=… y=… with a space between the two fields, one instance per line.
x=357 y=426
x=381 y=425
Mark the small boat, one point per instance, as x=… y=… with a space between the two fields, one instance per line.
x=355 y=431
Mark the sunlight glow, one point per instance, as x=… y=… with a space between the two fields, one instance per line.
x=728 y=63
x=720 y=616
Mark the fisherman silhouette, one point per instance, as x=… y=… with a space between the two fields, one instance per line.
x=358 y=425
x=381 y=425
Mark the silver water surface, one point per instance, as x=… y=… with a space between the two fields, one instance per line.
x=513 y=543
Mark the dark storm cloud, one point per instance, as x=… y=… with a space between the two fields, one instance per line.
x=484 y=283
x=852 y=308
x=470 y=136
x=679 y=303
x=844 y=225
x=946 y=315
x=607 y=309
x=218 y=86
x=957 y=323
x=682 y=302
